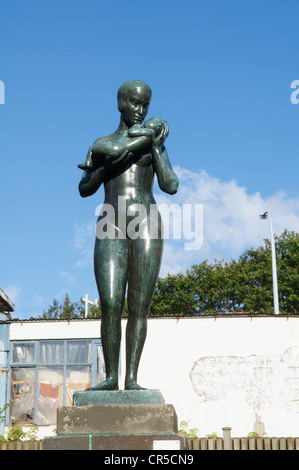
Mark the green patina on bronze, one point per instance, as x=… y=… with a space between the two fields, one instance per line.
x=126 y=162
x=118 y=397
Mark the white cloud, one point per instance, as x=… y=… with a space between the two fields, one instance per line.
x=60 y=295
x=84 y=236
x=67 y=276
x=13 y=292
x=231 y=222
x=38 y=300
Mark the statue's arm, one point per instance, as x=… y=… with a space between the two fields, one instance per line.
x=119 y=154
x=93 y=175
x=91 y=181
x=108 y=156
x=167 y=179
x=137 y=131
x=117 y=150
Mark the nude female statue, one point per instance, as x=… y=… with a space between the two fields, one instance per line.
x=126 y=162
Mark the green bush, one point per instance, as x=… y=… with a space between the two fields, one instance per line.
x=189 y=432
x=16 y=433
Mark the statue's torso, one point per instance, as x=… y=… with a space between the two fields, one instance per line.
x=135 y=184
x=131 y=195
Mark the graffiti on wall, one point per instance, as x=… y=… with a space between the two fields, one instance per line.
x=263 y=381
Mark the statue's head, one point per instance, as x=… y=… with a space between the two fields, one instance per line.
x=134 y=98
x=155 y=123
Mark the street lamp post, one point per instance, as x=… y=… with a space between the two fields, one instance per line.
x=267 y=215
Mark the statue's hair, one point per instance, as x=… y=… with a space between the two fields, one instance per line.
x=127 y=86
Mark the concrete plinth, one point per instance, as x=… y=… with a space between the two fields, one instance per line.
x=117 y=442
x=117 y=420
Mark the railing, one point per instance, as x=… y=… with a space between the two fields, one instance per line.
x=21 y=445
x=206 y=443
x=243 y=443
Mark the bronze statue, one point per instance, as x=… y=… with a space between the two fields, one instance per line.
x=126 y=162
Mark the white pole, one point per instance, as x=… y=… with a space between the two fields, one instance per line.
x=86 y=305
x=274 y=272
x=87 y=301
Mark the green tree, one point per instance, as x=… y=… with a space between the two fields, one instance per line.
x=243 y=285
x=174 y=296
x=254 y=287
x=94 y=311
x=287 y=246
x=65 y=310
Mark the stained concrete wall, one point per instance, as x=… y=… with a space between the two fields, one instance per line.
x=241 y=372
x=237 y=372
x=4 y=346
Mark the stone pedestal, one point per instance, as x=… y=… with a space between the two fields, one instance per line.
x=117 y=420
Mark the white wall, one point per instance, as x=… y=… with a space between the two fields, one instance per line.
x=232 y=371
x=246 y=376
x=34 y=330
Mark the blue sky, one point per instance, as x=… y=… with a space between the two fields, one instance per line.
x=221 y=74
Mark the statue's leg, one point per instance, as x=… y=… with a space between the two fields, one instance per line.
x=144 y=268
x=111 y=272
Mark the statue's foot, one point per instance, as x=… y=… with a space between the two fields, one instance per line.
x=132 y=385
x=109 y=384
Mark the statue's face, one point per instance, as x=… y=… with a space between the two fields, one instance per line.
x=136 y=106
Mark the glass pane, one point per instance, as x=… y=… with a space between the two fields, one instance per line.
x=50 y=394
x=23 y=352
x=77 y=378
x=101 y=373
x=22 y=395
x=78 y=352
x=51 y=352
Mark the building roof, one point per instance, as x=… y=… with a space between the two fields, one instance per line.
x=6 y=304
x=157 y=318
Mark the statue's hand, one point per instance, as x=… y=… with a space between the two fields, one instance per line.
x=160 y=139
